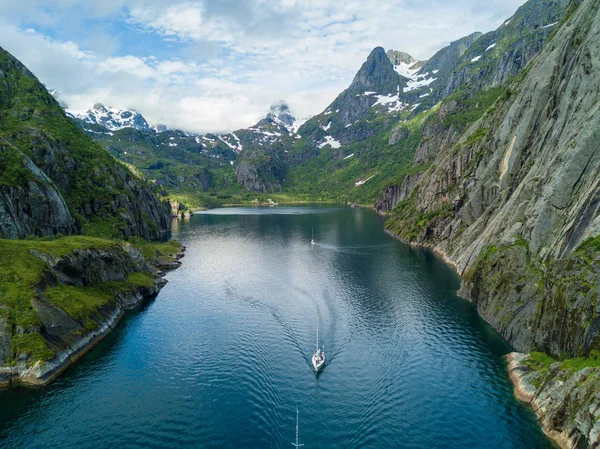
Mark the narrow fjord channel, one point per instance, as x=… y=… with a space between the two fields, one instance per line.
x=221 y=358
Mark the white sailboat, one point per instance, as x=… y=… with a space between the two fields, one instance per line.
x=318 y=358
x=312 y=240
x=297 y=443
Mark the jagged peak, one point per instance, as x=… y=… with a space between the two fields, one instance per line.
x=399 y=57
x=113 y=119
x=280 y=114
x=377 y=74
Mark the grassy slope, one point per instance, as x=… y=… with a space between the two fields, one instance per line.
x=21 y=272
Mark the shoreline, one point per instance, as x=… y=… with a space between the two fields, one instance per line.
x=523 y=391
x=283 y=203
x=42 y=373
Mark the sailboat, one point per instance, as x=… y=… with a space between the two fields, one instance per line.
x=318 y=358
x=312 y=240
x=297 y=443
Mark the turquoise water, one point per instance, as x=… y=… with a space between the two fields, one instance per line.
x=221 y=358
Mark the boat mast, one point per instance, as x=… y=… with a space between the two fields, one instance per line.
x=297 y=443
x=317 y=332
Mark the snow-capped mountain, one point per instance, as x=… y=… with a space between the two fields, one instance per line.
x=278 y=124
x=280 y=114
x=113 y=119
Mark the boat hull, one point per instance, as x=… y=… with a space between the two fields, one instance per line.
x=317 y=363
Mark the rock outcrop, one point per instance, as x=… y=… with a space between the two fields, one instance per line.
x=30 y=203
x=80 y=295
x=565 y=401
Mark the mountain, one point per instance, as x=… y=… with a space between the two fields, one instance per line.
x=514 y=203
x=113 y=119
x=55 y=179
x=191 y=166
x=396 y=111
x=66 y=275
x=281 y=115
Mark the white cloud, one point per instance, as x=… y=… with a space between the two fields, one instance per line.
x=227 y=61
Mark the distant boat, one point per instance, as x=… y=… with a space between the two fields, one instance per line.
x=312 y=240
x=318 y=358
x=297 y=443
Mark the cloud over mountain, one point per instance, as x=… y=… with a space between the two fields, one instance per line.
x=218 y=66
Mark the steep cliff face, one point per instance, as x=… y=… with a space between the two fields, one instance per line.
x=446 y=60
x=513 y=199
x=47 y=163
x=30 y=202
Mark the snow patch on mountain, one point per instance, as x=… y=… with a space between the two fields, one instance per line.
x=235 y=147
x=549 y=25
x=416 y=80
x=407 y=70
x=331 y=142
x=113 y=119
x=360 y=183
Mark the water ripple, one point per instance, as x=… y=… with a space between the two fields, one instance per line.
x=222 y=357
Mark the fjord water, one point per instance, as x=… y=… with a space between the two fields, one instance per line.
x=221 y=358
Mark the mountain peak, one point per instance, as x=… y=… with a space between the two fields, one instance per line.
x=377 y=74
x=281 y=115
x=114 y=119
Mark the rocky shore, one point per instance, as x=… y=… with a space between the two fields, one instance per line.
x=42 y=373
x=565 y=400
x=119 y=275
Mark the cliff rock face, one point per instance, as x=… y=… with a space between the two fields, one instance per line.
x=30 y=203
x=503 y=53
x=513 y=200
x=393 y=195
x=54 y=179
x=446 y=60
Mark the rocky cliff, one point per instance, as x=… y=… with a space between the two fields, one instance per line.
x=59 y=297
x=513 y=199
x=54 y=179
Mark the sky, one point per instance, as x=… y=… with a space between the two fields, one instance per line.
x=217 y=65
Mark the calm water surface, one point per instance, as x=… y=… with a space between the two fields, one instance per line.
x=221 y=358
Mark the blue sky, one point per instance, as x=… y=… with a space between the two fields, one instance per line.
x=216 y=66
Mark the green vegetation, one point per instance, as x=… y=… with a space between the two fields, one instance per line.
x=24 y=277
x=579 y=363
x=156 y=253
x=591 y=244
x=89 y=178
x=12 y=166
x=470 y=107
x=540 y=361
x=79 y=302
x=32 y=344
